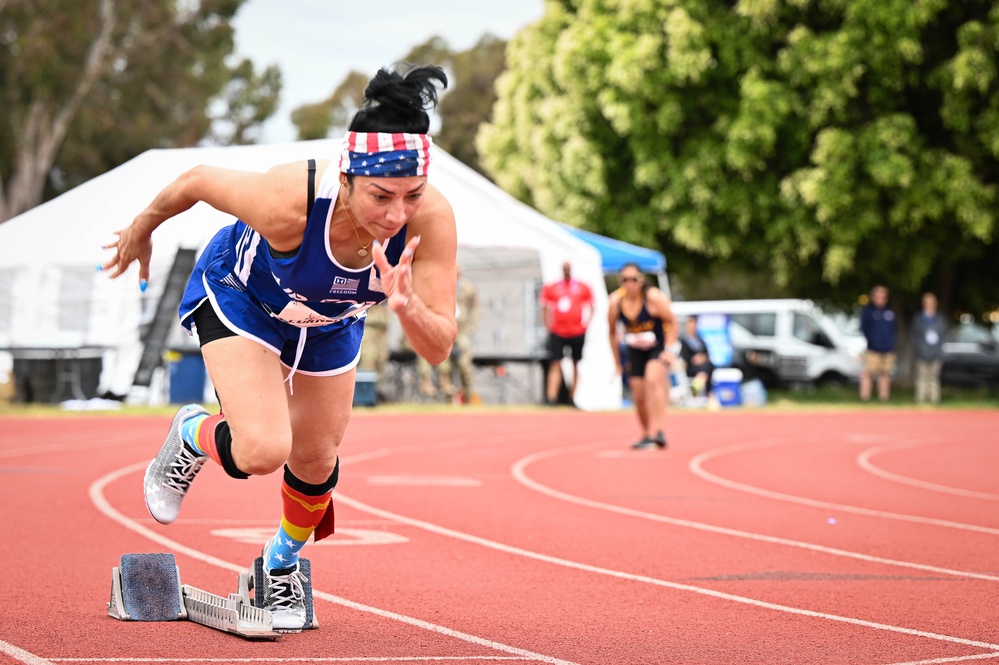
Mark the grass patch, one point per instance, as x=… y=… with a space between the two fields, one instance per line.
x=847 y=396
x=806 y=397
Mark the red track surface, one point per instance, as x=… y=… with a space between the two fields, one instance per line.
x=868 y=537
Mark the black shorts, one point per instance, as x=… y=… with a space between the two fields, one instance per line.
x=639 y=358
x=557 y=345
x=209 y=325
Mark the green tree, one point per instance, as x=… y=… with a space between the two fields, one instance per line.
x=88 y=84
x=317 y=121
x=469 y=102
x=245 y=103
x=830 y=144
x=332 y=115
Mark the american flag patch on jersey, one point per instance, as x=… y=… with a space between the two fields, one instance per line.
x=344 y=285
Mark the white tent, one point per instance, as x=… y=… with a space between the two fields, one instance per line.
x=52 y=296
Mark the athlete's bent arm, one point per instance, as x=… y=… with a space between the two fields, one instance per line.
x=663 y=309
x=422 y=288
x=273 y=203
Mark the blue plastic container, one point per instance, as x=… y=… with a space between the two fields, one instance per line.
x=187 y=379
x=365 y=388
x=727 y=383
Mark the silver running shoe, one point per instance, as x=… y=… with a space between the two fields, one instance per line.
x=284 y=597
x=169 y=475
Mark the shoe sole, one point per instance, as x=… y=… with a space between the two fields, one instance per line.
x=650 y=445
x=162 y=458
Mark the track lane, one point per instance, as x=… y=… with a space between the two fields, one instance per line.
x=769 y=459
x=546 y=526
x=456 y=583
x=70 y=620
x=888 y=455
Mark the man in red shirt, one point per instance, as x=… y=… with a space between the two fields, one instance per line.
x=567 y=304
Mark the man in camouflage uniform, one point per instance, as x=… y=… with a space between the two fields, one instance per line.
x=375 y=343
x=467 y=316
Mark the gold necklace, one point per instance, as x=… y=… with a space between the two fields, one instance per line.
x=363 y=251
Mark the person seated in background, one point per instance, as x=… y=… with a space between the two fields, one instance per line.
x=694 y=353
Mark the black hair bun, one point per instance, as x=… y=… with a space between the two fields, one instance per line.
x=397 y=101
x=413 y=89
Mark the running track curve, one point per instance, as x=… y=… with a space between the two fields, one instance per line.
x=864 y=536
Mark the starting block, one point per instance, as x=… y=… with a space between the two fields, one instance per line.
x=146 y=587
x=253 y=594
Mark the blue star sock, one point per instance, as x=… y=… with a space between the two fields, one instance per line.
x=282 y=551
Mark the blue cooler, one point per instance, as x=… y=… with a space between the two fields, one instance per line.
x=727 y=382
x=187 y=378
x=365 y=388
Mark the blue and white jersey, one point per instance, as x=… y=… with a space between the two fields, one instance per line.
x=272 y=298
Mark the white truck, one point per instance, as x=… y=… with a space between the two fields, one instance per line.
x=781 y=341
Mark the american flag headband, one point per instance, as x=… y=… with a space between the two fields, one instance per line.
x=385 y=155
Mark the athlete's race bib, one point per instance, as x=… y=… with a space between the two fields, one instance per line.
x=641 y=340
x=303 y=316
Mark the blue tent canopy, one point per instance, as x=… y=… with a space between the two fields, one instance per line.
x=615 y=253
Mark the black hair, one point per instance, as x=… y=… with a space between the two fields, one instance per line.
x=397 y=101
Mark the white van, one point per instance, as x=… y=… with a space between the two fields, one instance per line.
x=781 y=342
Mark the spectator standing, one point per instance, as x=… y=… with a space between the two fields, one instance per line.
x=567 y=305
x=877 y=322
x=375 y=344
x=928 y=332
x=426 y=373
x=467 y=317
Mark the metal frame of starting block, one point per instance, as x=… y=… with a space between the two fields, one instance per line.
x=146 y=587
x=230 y=614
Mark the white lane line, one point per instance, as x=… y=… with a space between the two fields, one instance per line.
x=521 y=476
x=696 y=466
x=424 y=481
x=613 y=454
x=327 y=659
x=344 y=536
x=566 y=563
x=864 y=460
x=21 y=655
x=955 y=659
x=212 y=521
x=101 y=503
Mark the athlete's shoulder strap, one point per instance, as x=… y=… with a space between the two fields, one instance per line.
x=312 y=188
x=308 y=213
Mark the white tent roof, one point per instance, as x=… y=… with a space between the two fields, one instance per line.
x=61 y=240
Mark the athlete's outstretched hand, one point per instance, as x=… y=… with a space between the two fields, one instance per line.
x=132 y=245
x=397 y=281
